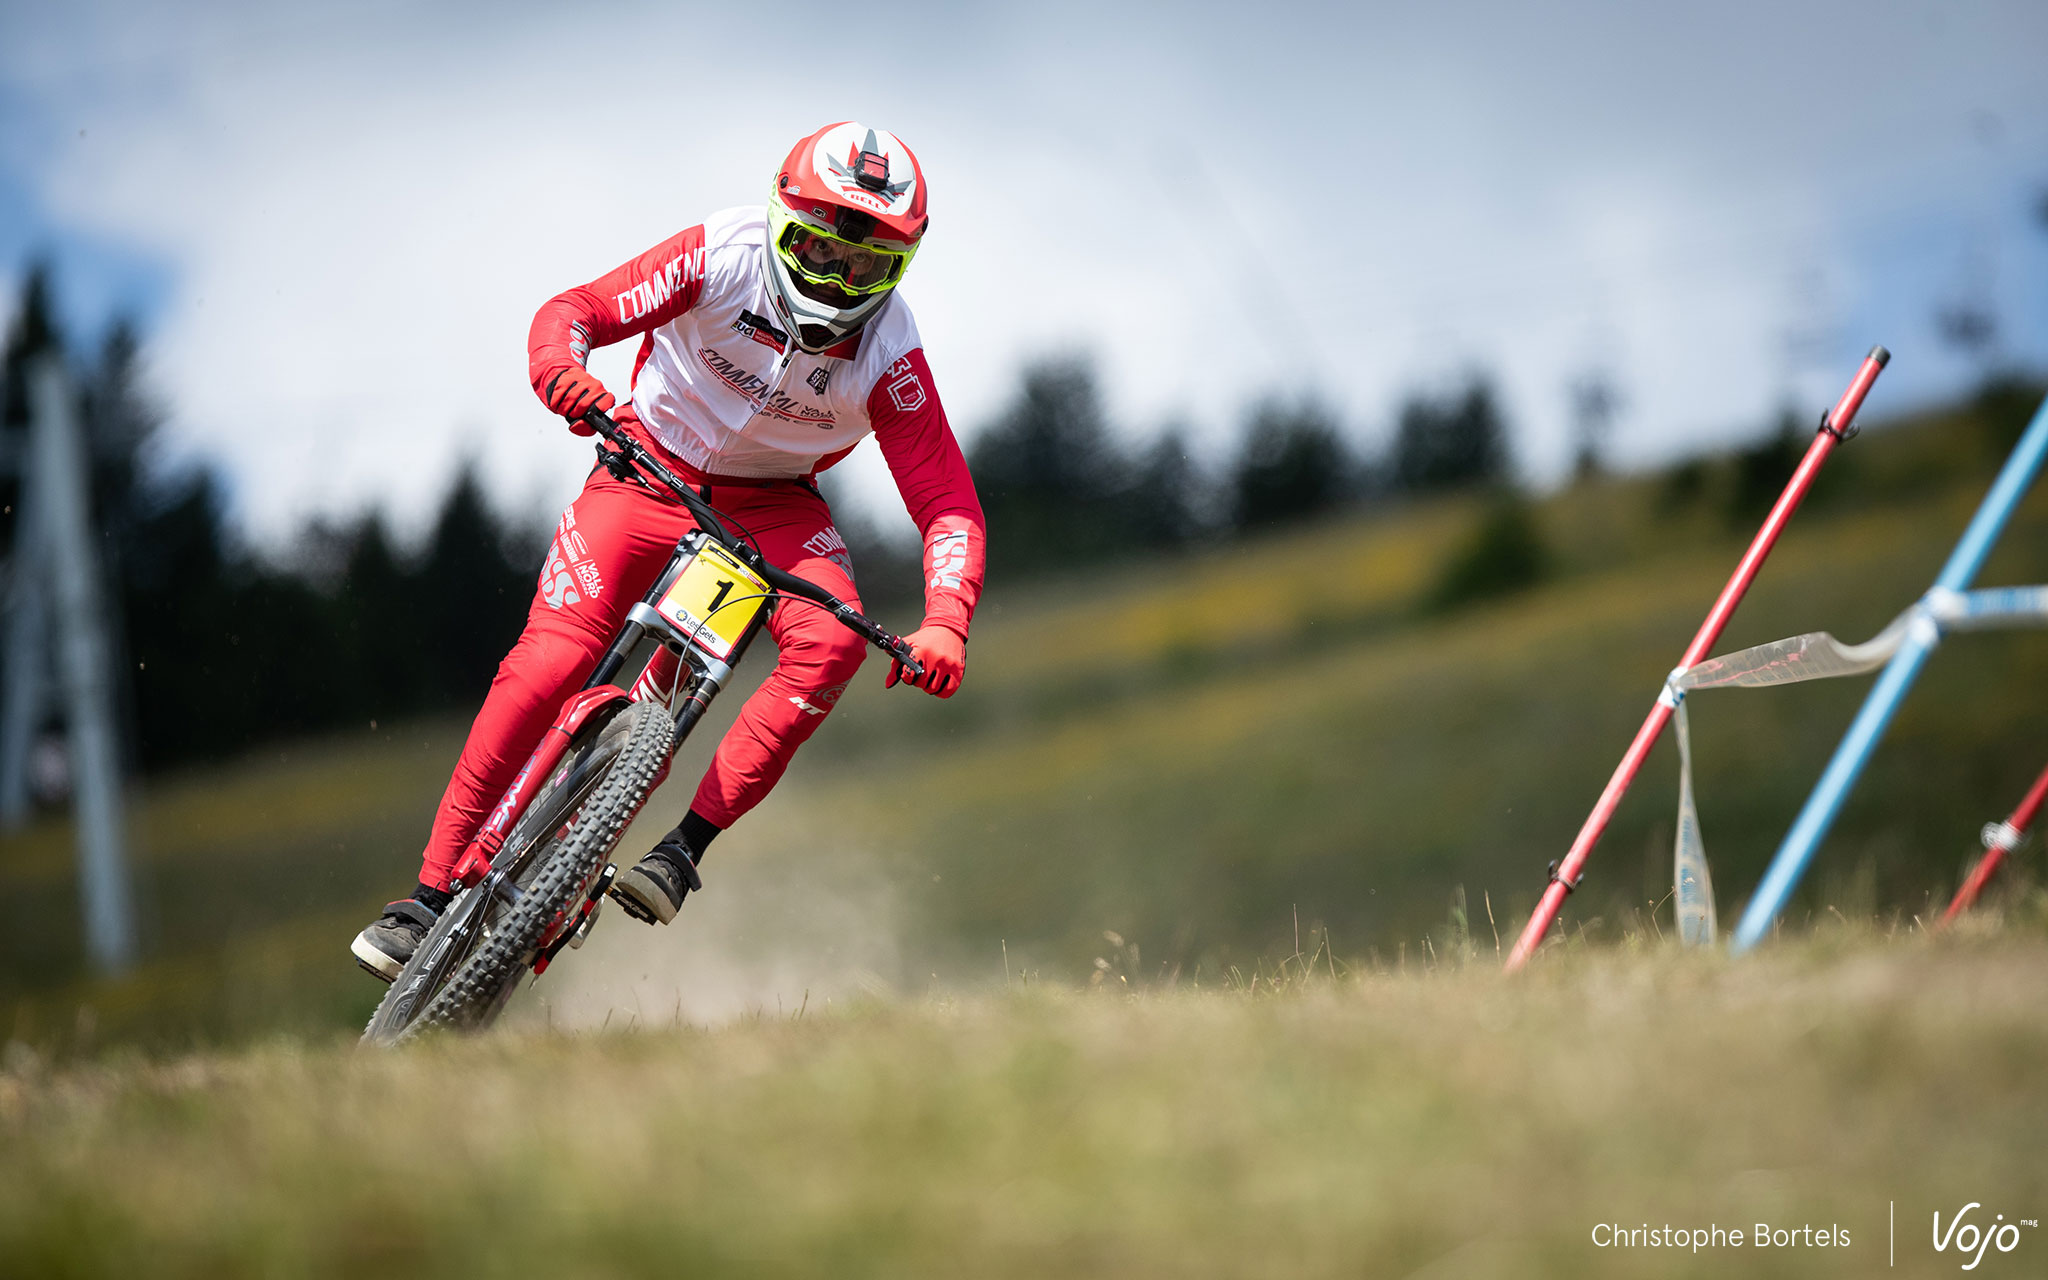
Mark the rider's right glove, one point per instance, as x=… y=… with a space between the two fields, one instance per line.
x=574 y=392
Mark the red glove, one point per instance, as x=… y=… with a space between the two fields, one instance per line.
x=574 y=392
x=942 y=653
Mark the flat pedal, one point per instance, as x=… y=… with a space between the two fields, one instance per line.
x=632 y=906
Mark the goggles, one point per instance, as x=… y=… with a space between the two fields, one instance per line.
x=823 y=258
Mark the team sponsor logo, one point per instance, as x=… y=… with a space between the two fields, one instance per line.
x=648 y=687
x=828 y=544
x=503 y=813
x=948 y=556
x=579 y=342
x=863 y=177
x=556 y=586
x=732 y=374
x=820 y=702
x=683 y=270
x=760 y=330
x=789 y=409
x=755 y=388
x=819 y=379
x=569 y=575
x=906 y=390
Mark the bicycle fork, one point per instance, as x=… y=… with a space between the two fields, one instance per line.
x=475 y=862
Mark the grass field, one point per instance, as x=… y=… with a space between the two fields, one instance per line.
x=1436 y=1121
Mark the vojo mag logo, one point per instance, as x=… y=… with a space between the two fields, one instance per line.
x=1965 y=1237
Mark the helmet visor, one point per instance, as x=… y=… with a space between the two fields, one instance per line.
x=823 y=258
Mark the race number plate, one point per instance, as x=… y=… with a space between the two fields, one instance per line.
x=713 y=600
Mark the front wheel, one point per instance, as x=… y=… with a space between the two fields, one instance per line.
x=468 y=964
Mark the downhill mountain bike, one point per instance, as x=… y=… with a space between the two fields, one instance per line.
x=533 y=879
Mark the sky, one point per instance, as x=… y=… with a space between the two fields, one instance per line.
x=334 y=222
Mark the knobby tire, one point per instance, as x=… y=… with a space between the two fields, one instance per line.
x=532 y=841
x=475 y=992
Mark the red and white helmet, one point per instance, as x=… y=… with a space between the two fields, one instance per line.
x=844 y=221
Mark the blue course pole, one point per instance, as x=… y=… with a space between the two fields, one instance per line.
x=1811 y=827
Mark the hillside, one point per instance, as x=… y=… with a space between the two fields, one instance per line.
x=1206 y=757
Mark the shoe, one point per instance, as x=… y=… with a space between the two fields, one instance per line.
x=384 y=947
x=653 y=890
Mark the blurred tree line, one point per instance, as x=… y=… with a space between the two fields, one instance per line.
x=225 y=648
x=1059 y=489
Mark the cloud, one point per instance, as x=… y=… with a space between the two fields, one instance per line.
x=362 y=208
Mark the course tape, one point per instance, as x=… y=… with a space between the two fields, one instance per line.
x=1692 y=888
x=1813 y=656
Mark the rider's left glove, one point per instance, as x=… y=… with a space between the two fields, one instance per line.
x=574 y=392
x=942 y=653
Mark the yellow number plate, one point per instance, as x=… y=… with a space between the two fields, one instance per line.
x=713 y=600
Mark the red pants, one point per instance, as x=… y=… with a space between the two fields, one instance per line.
x=608 y=548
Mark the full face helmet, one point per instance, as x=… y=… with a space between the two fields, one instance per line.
x=844 y=221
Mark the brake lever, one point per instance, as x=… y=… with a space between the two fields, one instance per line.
x=888 y=641
x=899 y=650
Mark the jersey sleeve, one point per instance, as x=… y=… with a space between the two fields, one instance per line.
x=637 y=296
x=931 y=474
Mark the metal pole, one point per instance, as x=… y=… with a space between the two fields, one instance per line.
x=58 y=474
x=1829 y=794
x=2000 y=838
x=24 y=687
x=1564 y=877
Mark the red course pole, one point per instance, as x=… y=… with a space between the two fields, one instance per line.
x=1838 y=426
x=1998 y=841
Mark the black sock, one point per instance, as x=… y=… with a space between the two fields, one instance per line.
x=695 y=833
x=434 y=900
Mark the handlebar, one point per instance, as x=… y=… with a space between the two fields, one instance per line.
x=631 y=456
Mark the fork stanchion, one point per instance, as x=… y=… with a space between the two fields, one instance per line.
x=1838 y=426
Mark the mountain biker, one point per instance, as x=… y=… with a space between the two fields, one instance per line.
x=772 y=342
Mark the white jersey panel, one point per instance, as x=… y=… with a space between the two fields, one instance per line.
x=723 y=391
